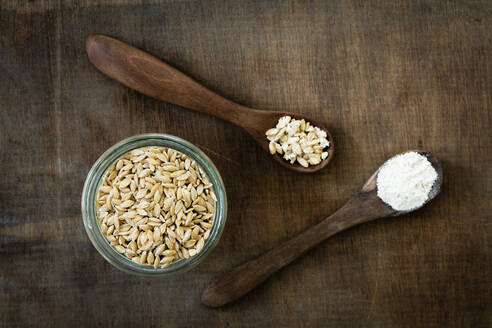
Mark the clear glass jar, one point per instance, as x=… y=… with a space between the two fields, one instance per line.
x=93 y=181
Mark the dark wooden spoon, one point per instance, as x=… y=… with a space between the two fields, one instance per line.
x=364 y=206
x=151 y=76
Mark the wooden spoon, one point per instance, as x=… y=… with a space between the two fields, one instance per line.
x=151 y=76
x=364 y=206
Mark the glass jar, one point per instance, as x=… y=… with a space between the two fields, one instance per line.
x=93 y=181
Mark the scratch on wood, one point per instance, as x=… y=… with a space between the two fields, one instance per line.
x=7 y=221
x=57 y=93
x=57 y=108
x=230 y=160
x=374 y=296
x=373 y=299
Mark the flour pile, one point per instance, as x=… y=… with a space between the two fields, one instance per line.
x=404 y=181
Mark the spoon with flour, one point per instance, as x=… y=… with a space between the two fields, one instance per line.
x=151 y=76
x=403 y=184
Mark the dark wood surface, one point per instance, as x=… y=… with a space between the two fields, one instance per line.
x=384 y=77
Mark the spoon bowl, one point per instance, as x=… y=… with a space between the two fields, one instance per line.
x=266 y=120
x=364 y=206
x=151 y=76
x=371 y=185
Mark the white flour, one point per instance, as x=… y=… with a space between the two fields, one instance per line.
x=404 y=181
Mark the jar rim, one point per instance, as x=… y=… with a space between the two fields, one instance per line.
x=93 y=181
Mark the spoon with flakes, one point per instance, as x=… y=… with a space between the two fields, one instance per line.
x=366 y=205
x=151 y=76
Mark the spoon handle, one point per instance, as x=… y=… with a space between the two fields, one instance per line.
x=247 y=276
x=151 y=76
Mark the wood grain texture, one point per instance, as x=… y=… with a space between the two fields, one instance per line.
x=384 y=77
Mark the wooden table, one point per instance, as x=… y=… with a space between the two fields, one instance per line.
x=384 y=76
